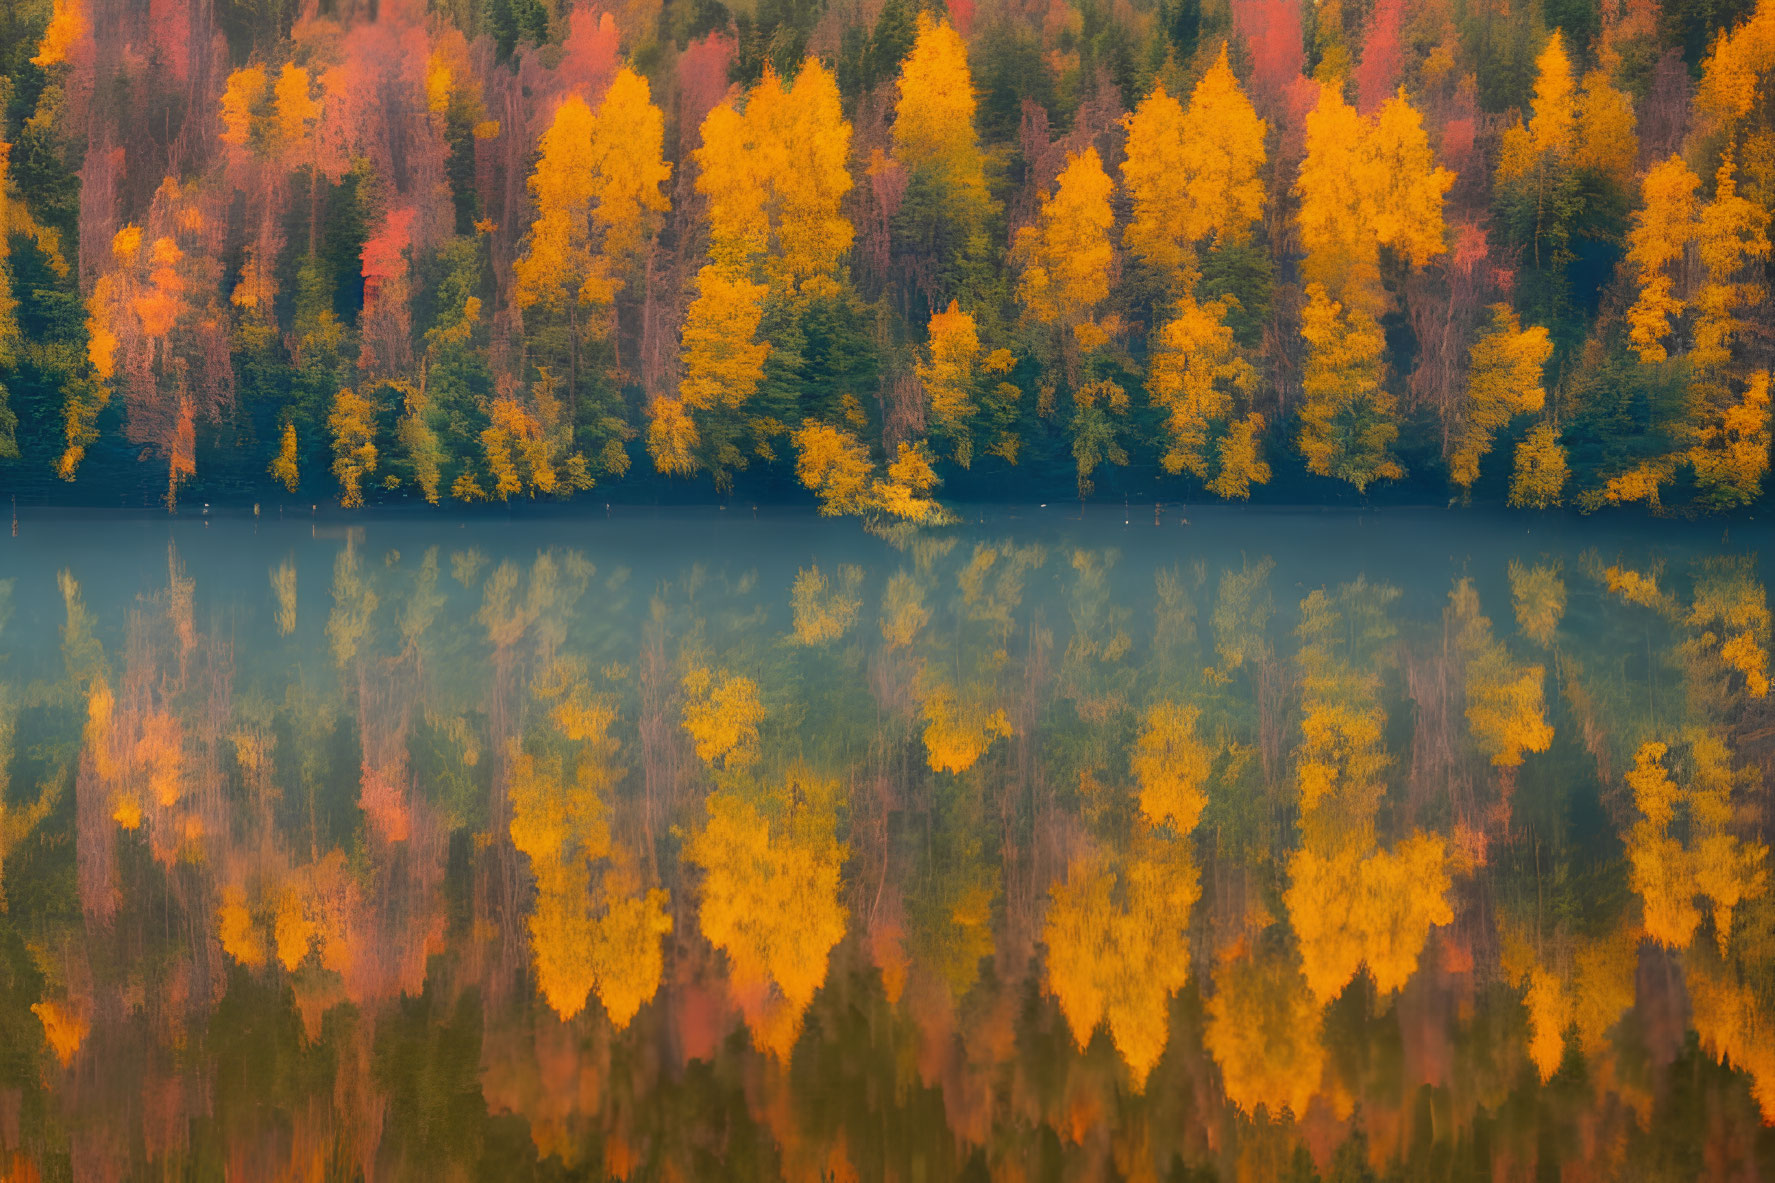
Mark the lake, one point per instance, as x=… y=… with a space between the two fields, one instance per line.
x=1183 y=844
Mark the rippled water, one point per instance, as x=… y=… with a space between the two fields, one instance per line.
x=1199 y=845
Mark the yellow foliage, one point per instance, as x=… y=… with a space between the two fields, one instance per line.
x=905 y=494
x=903 y=611
x=775 y=178
x=1171 y=766
x=1192 y=175
x=1549 y=1014
x=1241 y=459
x=1342 y=757
x=240 y=935
x=1066 y=256
x=1504 y=380
x=1668 y=874
x=1730 y=609
x=1538 y=481
x=948 y=377
x=1264 y=1030
x=628 y=946
x=68 y=25
x=297 y=110
x=722 y=717
x=958 y=727
x=1735 y=1026
x=353 y=425
x=672 y=436
x=770 y=897
x=527 y=451
x=597 y=186
x=934 y=115
x=1661 y=233
x=1538 y=593
x=65 y=1027
x=1734 y=76
x=354 y=606
x=1196 y=372
x=834 y=465
x=824 y=613
x=1639 y=483
x=1731 y=234
x=1347 y=424
x=245 y=92
x=283 y=468
x=1731 y=450
x=1607 y=143
x=1351 y=909
x=723 y=363
x=1634 y=586
x=1554 y=123
x=1118 y=947
x=1365 y=184
x=1405 y=186
x=557 y=815
x=1506 y=707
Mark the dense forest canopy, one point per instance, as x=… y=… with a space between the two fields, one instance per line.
x=885 y=251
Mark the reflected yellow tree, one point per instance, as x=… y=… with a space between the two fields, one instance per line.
x=1538 y=595
x=1351 y=903
x=1265 y=1031
x=1117 y=935
x=770 y=898
x=1670 y=873
x=1506 y=709
x=594 y=928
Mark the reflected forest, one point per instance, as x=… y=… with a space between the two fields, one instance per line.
x=998 y=854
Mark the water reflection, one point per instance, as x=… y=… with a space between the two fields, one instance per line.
x=412 y=852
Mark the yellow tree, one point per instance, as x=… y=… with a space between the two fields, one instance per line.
x=934 y=141
x=1199 y=377
x=597 y=187
x=1724 y=432
x=1192 y=175
x=1661 y=232
x=835 y=466
x=1066 y=257
x=1354 y=907
x=949 y=373
x=1171 y=766
x=353 y=427
x=1363 y=184
x=1538 y=480
x=593 y=928
x=1067 y=264
x=774 y=177
x=1265 y=1032
x=1347 y=422
x=1670 y=874
x=1505 y=369
x=934 y=114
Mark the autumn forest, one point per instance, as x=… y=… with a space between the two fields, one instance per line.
x=880 y=254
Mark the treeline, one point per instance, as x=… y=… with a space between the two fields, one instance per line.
x=885 y=252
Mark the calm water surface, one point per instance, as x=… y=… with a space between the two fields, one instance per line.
x=710 y=846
